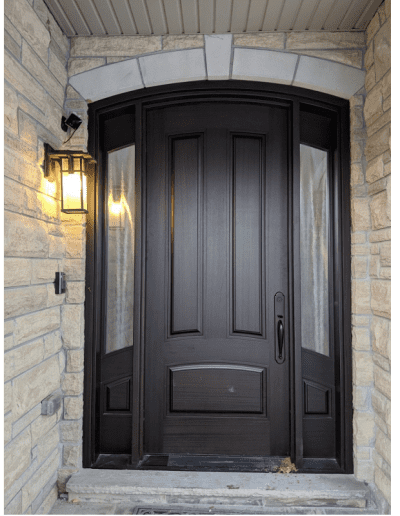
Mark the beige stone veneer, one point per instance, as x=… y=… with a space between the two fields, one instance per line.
x=44 y=333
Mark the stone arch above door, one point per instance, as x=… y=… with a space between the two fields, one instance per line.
x=219 y=60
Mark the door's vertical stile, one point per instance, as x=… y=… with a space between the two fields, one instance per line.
x=295 y=292
x=334 y=304
x=101 y=286
x=342 y=218
x=139 y=265
x=89 y=417
x=90 y=424
x=277 y=267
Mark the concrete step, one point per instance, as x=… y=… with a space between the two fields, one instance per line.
x=83 y=508
x=251 y=490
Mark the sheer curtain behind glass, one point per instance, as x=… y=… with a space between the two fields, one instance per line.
x=121 y=202
x=314 y=222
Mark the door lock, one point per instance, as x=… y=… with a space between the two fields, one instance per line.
x=279 y=327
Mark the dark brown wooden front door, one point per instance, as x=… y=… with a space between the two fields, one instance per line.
x=215 y=380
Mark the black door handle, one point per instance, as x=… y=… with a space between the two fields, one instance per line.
x=280 y=353
x=281 y=334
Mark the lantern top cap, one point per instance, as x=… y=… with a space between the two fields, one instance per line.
x=51 y=153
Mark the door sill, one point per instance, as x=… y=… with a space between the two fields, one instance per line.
x=186 y=462
x=223 y=463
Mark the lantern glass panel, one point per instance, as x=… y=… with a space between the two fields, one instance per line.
x=84 y=186
x=77 y=164
x=72 y=191
x=65 y=164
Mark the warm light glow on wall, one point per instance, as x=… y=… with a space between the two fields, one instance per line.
x=49 y=188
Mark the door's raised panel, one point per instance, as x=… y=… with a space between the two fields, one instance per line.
x=316 y=399
x=118 y=396
x=186 y=230
x=216 y=388
x=247 y=226
x=218 y=436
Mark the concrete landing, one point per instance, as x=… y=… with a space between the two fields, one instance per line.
x=83 y=508
x=250 y=490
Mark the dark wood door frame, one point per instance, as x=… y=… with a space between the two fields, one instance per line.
x=294 y=99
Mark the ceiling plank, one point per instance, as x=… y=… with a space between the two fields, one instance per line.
x=75 y=17
x=124 y=16
x=337 y=14
x=305 y=14
x=368 y=14
x=157 y=18
x=206 y=15
x=108 y=16
x=289 y=14
x=174 y=16
x=272 y=15
x=59 y=14
x=140 y=16
x=92 y=17
x=190 y=16
x=240 y=11
x=354 y=14
x=321 y=14
x=223 y=16
x=256 y=15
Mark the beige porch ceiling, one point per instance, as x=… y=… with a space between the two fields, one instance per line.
x=159 y=17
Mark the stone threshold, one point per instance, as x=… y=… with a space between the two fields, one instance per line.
x=255 y=491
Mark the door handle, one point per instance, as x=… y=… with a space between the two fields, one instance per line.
x=281 y=333
x=280 y=328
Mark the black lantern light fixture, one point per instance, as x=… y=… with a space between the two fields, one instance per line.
x=72 y=166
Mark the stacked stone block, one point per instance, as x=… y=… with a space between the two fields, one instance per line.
x=38 y=242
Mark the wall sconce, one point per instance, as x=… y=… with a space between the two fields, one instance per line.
x=73 y=177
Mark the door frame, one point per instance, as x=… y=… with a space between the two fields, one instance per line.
x=236 y=91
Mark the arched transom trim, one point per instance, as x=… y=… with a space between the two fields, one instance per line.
x=219 y=59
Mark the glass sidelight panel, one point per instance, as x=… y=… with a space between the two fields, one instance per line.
x=314 y=241
x=120 y=244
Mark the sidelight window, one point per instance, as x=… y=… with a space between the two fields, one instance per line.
x=120 y=238
x=314 y=251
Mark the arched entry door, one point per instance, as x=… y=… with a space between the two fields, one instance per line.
x=220 y=315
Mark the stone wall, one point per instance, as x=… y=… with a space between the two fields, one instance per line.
x=372 y=224
x=370 y=180
x=43 y=331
